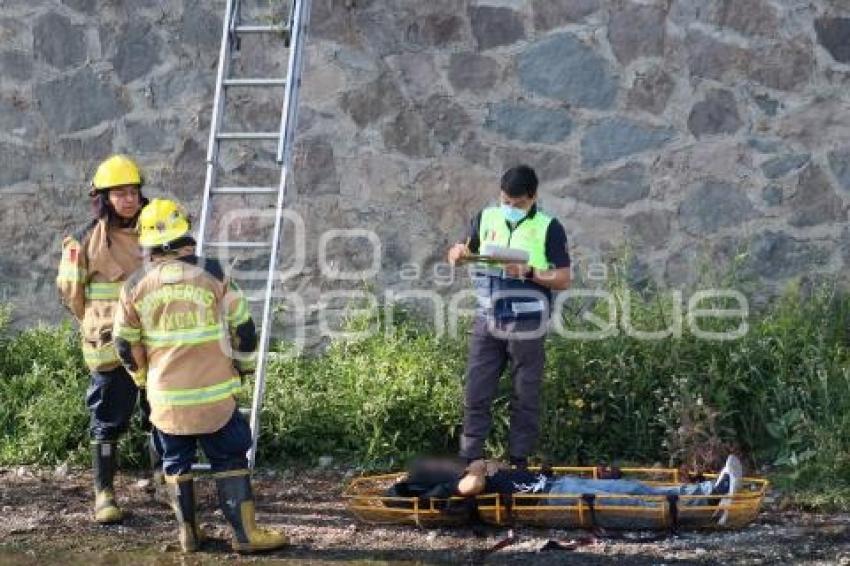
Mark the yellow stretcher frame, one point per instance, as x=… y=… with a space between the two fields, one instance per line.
x=365 y=500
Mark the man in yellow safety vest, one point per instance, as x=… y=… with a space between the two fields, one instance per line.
x=514 y=303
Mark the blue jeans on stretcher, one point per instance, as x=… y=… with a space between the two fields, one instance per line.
x=225 y=448
x=582 y=486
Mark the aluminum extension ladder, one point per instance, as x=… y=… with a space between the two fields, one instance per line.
x=293 y=34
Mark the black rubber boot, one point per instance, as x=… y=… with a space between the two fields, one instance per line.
x=181 y=491
x=106 y=510
x=237 y=504
x=157 y=486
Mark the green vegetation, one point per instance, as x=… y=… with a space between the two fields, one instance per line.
x=780 y=395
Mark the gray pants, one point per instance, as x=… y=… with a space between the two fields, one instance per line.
x=488 y=357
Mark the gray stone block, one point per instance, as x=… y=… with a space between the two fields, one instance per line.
x=834 y=35
x=472 y=72
x=712 y=59
x=716 y=114
x=495 y=26
x=435 y=30
x=370 y=102
x=16 y=117
x=417 y=73
x=145 y=136
x=815 y=201
x=58 y=42
x=767 y=104
x=550 y=14
x=331 y=19
x=784 y=164
x=138 y=52
x=564 y=68
x=78 y=101
x=749 y=17
x=765 y=145
x=783 y=66
x=380 y=31
x=200 y=28
x=445 y=119
x=636 y=30
x=474 y=151
x=651 y=90
x=185 y=179
x=613 y=138
x=529 y=123
x=85 y=6
x=183 y=86
x=613 y=190
x=651 y=228
x=407 y=134
x=16 y=64
x=549 y=165
x=15 y=163
x=772 y=195
x=88 y=148
x=839 y=162
x=712 y=206
x=775 y=255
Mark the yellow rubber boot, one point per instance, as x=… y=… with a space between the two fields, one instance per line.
x=237 y=504
x=181 y=491
x=106 y=510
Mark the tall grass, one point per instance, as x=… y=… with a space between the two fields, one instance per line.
x=780 y=394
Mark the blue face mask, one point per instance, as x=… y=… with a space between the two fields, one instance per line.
x=513 y=214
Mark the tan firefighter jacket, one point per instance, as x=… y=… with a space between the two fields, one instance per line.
x=186 y=326
x=95 y=263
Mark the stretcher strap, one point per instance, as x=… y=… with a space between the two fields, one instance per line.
x=673 y=501
x=590 y=500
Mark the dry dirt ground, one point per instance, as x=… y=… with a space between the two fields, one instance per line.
x=45 y=519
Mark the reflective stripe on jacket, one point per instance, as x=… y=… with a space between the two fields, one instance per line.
x=95 y=263
x=183 y=321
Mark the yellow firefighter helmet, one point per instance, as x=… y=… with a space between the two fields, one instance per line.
x=161 y=222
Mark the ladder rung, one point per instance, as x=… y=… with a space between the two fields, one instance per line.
x=248 y=135
x=254 y=82
x=245 y=190
x=261 y=29
x=238 y=244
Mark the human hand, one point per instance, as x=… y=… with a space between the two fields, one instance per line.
x=457 y=252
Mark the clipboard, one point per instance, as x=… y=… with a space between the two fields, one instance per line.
x=488 y=259
x=497 y=255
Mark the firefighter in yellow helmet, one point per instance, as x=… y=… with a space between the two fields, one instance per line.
x=96 y=261
x=184 y=329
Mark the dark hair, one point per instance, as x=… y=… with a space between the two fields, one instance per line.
x=520 y=181
x=101 y=208
x=180 y=242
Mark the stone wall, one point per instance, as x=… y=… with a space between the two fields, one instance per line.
x=693 y=131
